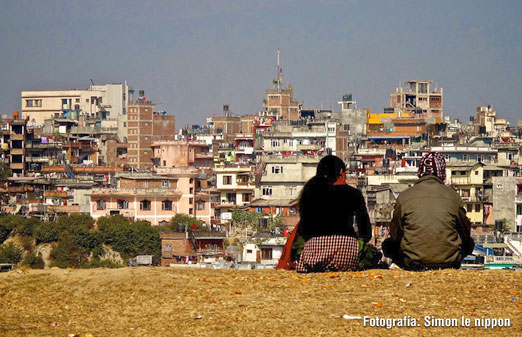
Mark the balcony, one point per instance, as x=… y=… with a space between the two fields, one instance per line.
x=57 y=194
x=135 y=192
x=519 y=198
x=460 y=180
x=17 y=136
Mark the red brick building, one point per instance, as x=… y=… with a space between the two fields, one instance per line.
x=145 y=126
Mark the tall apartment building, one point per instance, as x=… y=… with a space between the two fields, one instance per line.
x=143 y=127
x=105 y=102
x=418 y=99
x=18 y=130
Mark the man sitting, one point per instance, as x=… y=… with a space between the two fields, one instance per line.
x=430 y=229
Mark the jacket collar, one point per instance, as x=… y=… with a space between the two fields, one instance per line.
x=430 y=178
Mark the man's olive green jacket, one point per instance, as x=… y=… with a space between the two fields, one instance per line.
x=430 y=225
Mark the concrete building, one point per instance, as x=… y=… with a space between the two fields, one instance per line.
x=99 y=101
x=468 y=179
x=155 y=198
x=507 y=201
x=182 y=153
x=283 y=177
x=17 y=145
x=418 y=99
x=279 y=102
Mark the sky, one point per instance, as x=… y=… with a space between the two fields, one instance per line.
x=191 y=57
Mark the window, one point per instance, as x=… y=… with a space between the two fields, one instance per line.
x=200 y=205
x=476 y=173
x=290 y=190
x=469 y=208
x=101 y=204
x=29 y=103
x=191 y=201
x=346 y=127
x=191 y=190
x=166 y=205
x=191 y=180
x=164 y=163
x=276 y=169
x=509 y=155
x=331 y=129
x=191 y=211
x=227 y=180
x=145 y=184
x=165 y=183
x=266 y=253
x=168 y=248
x=145 y=205
x=276 y=143
x=247 y=197
x=231 y=197
x=447 y=157
x=465 y=157
x=477 y=208
x=249 y=251
x=267 y=190
x=480 y=159
x=123 y=204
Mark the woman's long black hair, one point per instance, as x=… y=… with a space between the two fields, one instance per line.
x=328 y=171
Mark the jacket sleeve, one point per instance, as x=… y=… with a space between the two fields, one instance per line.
x=363 y=221
x=396 y=230
x=464 y=230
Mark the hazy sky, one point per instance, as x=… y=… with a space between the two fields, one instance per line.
x=191 y=57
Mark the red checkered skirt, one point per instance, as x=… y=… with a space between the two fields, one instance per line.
x=329 y=253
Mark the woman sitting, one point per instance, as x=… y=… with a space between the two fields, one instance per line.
x=329 y=211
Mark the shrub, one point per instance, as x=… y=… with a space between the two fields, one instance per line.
x=130 y=238
x=10 y=253
x=46 y=232
x=27 y=226
x=8 y=222
x=33 y=261
x=68 y=253
x=27 y=243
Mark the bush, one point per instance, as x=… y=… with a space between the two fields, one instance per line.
x=8 y=222
x=27 y=243
x=33 y=261
x=68 y=253
x=130 y=238
x=46 y=232
x=27 y=226
x=10 y=253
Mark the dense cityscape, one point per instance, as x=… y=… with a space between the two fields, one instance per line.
x=235 y=180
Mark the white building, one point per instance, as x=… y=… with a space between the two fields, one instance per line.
x=265 y=251
x=104 y=102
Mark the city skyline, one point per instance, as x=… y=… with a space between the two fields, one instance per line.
x=192 y=59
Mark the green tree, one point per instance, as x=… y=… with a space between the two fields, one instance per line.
x=191 y=222
x=251 y=220
x=7 y=224
x=10 y=253
x=46 y=232
x=5 y=172
x=130 y=238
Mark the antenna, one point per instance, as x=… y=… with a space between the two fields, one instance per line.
x=92 y=82
x=279 y=71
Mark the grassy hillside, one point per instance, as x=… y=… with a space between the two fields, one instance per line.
x=193 y=302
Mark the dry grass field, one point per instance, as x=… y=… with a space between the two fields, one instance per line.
x=204 y=302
